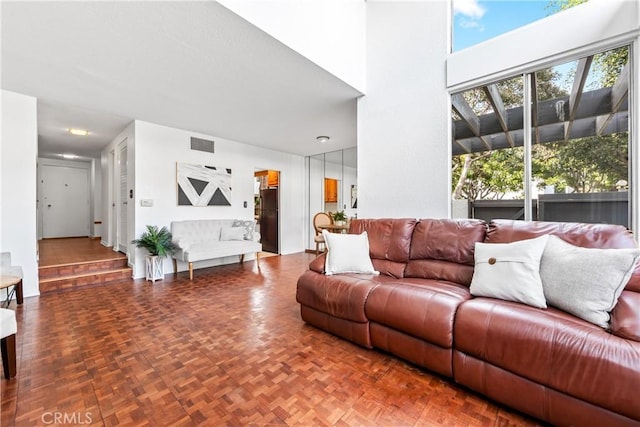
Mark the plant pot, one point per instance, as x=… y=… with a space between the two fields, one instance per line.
x=339 y=222
x=154 y=268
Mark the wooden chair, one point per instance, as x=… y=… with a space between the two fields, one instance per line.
x=321 y=218
x=8 y=330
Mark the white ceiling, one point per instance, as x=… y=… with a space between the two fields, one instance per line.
x=189 y=65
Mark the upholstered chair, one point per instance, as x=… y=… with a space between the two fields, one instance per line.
x=8 y=330
x=321 y=218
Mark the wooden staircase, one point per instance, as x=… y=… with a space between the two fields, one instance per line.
x=64 y=277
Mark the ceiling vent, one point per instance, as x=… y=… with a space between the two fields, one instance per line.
x=202 y=145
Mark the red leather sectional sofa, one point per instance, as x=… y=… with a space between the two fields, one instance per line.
x=543 y=362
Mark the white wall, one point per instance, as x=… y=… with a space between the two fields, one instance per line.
x=544 y=42
x=18 y=156
x=330 y=33
x=159 y=148
x=403 y=135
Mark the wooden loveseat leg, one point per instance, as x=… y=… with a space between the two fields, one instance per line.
x=175 y=267
x=190 y=271
x=258 y=260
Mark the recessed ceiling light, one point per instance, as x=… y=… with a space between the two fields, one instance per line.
x=79 y=132
x=322 y=138
x=69 y=156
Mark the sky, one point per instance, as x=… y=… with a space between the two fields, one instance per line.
x=477 y=20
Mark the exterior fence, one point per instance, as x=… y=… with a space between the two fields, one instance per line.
x=605 y=208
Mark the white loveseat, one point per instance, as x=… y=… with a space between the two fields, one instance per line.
x=200 y=240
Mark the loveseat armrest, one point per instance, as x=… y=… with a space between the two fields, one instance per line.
x=182 y=244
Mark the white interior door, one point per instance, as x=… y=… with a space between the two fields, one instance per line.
x=122 y=197
x=65 y=196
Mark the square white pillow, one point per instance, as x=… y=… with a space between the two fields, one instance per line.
x=510 y=271
x=232 y=233
x=347 y=253
x=249 y=227
x=585 y=282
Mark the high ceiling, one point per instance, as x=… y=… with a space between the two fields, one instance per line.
x=190 y=65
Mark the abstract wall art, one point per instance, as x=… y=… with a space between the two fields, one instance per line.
x=200 y=185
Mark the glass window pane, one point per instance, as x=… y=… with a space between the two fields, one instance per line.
x=475 y=21
x=580 y=153
x=488 y=158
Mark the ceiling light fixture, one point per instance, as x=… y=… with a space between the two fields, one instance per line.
x=69 y=156
x=322 y=139
x=78 y=132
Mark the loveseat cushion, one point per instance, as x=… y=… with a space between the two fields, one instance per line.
x=204 y=251
x=554 y=349
x=443 y=249
x=389 y=242
x=422 y=308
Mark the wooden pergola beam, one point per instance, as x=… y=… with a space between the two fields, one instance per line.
x=495 y=99
x=534 y=108
x=582 y=72
x=619 y=93
x=469 y=117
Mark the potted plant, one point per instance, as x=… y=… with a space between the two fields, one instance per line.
x=159 y=244
x=339 y=217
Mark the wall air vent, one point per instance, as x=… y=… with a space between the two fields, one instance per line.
x=202 y=145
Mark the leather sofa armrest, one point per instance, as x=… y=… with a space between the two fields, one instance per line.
x=317 y=264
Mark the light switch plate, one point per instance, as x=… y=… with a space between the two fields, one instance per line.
x=147 y=203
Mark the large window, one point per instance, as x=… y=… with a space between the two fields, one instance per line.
x=574 y=166
x=475 y=21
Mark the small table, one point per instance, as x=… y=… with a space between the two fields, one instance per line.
x=16 y=282
x=335 y=228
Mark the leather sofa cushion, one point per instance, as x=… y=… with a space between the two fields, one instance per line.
x=422 y=308
x=554 y=349
x=389 y=240
x=625 y=318
x=341 y=296
x=603 y=236
x=443 y=249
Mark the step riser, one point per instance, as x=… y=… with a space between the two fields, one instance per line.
x=66 y=284
x=82 y=268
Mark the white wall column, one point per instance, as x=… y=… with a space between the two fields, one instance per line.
x=18 y=161
x=403 y=136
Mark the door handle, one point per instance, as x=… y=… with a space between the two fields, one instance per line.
x=48 y=206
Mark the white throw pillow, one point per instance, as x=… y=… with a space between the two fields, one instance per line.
x=585 y=282
x=249 y=227
x=232 y=233
x=510 y=271
x=347 y=253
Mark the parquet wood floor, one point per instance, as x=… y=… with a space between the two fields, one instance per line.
x=73 y=250
x=228 y=348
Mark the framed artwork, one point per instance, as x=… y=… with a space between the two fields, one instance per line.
x=200 y=185
x=354 y=197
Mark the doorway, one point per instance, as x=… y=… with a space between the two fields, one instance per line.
x=121 y=198
x=65 y=195
x=267 y=208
